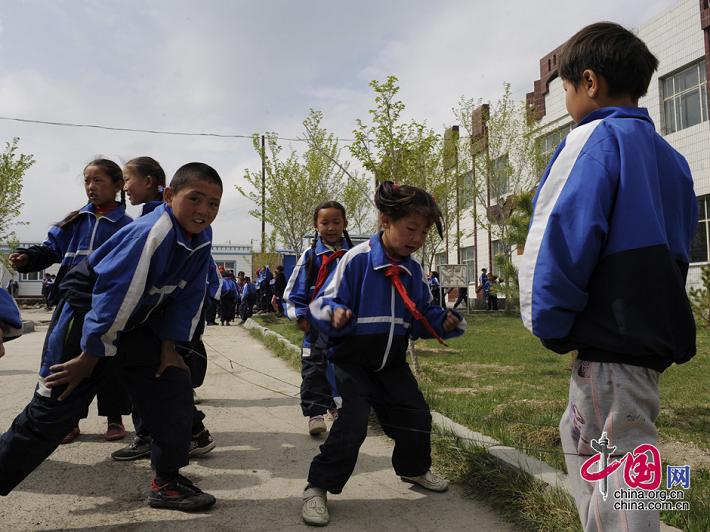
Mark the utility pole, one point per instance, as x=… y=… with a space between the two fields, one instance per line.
x=455 y=135
x=263 y=194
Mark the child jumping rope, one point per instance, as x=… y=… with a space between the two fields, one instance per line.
x=330 y=242
x=145 y=184
x=126 y=307
x=375 y=300
x=69 y=242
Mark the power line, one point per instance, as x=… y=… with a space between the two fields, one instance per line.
x=149 y=131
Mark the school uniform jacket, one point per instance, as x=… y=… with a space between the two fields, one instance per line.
x=149 y=269
x=229 y=287
x=378 y=333
x=299 y=289
x=607 y=253
x=10 y=321
x=71 y=244
x=214 y=281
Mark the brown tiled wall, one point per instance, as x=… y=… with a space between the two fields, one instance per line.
x=548 y=72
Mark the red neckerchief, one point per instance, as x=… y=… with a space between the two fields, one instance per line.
x=103 y=211
x=393 y=272
x=323 y=270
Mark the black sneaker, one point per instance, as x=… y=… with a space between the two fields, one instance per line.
x=201 y=443
x=140 y=448
x=179 y=494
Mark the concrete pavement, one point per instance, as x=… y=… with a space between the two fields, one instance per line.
x=257 y=472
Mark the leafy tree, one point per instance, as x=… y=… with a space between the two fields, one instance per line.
x=13 y=166
x=506 y=165
x=294 y=185
x=404 y=152
x=700 y=298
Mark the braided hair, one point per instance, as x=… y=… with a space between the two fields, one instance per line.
x=148 y=167
x=311 y=275
x=113 y=171
x=398 y=201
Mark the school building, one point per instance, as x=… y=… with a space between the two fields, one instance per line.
x=678 y=101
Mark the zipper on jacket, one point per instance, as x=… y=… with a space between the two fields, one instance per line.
x=389 y=340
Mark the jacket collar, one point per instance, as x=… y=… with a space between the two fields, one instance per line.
x=640 y=113
x=112 y=216
x=380 y=259
x=150 y=206
x=201 y=239
x=321 y=248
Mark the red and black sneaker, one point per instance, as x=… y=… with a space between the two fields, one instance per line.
x=179 y=494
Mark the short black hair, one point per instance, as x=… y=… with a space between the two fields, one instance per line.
x=190 y=172
x=613 y=52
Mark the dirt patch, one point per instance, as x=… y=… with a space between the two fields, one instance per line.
x=677 y=453
x=424 y=349
x=470 y=391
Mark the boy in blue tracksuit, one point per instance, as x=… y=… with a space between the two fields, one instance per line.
x=126 y=307
x=374 y=301
x=606 y=260
x=10 y=322
x=330 y=242
x=145 y=184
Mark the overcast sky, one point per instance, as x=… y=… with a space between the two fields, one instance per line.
x=239 y=67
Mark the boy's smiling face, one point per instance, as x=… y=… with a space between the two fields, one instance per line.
x=195 y=205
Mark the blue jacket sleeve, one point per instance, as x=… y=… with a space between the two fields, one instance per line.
x=214 y=281
x=340 y=290
x=51 y=251
x=567 y=233
x=184 y=309
x=296 y=293
x=10 y=321
x=122 y=270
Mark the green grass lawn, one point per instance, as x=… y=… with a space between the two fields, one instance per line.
x=499 y=380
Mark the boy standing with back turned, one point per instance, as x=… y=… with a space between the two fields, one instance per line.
x=606 y=261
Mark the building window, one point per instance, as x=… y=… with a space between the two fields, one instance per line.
x=467 y=190
x=226 y=265
x=699 y=246
x=468 y=256
x=500 y=180
x=684 y=99
x=439 y=259
x=548 y=143
x=32 y=276
x=500 y=249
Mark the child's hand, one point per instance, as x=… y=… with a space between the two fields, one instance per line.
x=71 y=373
x=18 y=260
x=451 y=322
x=340 y=317
x=303 y=324
x=169 y=357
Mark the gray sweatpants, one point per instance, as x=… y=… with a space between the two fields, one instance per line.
x=621 y=400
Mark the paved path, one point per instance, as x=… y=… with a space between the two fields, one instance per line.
x=256 y=472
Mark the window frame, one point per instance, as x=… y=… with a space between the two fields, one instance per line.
x=672 y=105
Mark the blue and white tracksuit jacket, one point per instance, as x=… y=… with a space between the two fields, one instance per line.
x=147 y=269
x=229 y=287
x=607 y=253
x=214 y=281
x=10 y=321
x=377 y=335
x=71 y=244
x=299 y=291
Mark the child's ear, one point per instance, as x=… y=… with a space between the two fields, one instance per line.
x=168 y=196
x=384 y=220
x=591 y=82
